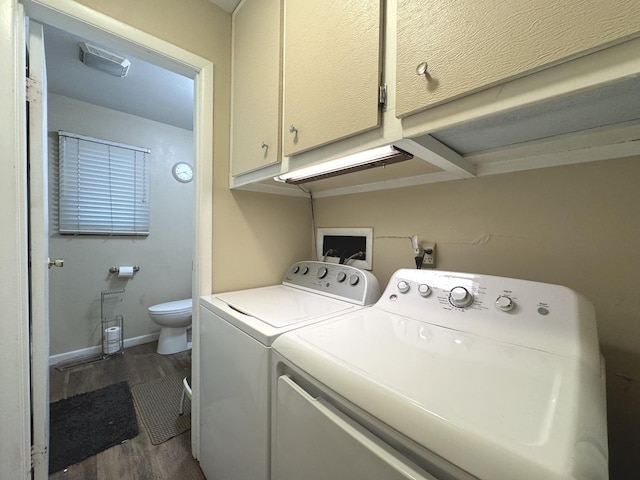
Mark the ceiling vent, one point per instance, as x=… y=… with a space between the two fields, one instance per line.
x=104 y=60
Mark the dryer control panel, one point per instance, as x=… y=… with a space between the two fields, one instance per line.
x=343 y=282
x=537 y=315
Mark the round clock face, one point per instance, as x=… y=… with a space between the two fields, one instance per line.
x=183 y=172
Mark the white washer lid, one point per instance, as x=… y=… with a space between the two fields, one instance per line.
x=281 y=306
x=496 y=410
x=266 y=312
x=177 y=306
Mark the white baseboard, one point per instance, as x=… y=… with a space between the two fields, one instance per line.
x=97 y=350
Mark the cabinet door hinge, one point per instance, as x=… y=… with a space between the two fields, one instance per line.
x=34 y=91
x=38 y=454
x=382 y=96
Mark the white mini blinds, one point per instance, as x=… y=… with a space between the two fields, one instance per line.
x=104 y=187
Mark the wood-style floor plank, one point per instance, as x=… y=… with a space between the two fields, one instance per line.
x=138 y=458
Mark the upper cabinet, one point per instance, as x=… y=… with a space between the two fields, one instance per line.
x=256 y=91
x=473 y=88
x=450 y=48
x=332 y=71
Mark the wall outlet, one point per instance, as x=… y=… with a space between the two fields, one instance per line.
x=428 y=254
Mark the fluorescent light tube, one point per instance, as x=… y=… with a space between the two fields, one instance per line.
x=377 y=157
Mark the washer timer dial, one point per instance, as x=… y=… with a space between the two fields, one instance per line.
x=460 y=297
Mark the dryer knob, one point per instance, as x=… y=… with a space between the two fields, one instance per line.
x=305 y=270
x=353 y=280
x=322 y=272
x=460 y=297
x=342 y=277
x=504 y=303
x=424 y=290
x=403 y=286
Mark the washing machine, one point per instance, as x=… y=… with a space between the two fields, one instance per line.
x=237 y=330
x=449 y=376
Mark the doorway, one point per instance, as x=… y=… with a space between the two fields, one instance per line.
x=151 y=109
x=88 y=24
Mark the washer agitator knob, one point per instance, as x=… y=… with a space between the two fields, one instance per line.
x=504 y=303
x=403 y=286
x=342 y=277
x=322 y=272
x=460 y=297
x=424 y=290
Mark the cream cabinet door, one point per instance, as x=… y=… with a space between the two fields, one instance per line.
x=470 y=45
x=256 y=88
x=332 y=65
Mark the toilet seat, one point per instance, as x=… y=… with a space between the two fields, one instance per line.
x=171 y=308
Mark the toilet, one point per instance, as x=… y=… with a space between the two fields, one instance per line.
x=173 y=318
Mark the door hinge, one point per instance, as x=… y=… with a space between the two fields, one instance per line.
x=38 y=454
x=34 y=91
x=382 y=95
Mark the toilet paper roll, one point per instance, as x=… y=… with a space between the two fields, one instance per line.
x=111 y=342
x=125 y=271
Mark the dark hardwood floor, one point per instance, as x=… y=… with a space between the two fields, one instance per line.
x=138 y=458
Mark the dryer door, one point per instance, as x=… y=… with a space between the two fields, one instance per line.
x=314 y=441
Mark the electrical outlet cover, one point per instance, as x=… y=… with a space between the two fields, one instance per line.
x=428 y=254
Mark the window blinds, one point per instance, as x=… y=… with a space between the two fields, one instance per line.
x=104 y=187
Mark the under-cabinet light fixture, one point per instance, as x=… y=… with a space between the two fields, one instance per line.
x=376 y=157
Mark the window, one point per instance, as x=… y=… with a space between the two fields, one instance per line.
x=104 y=187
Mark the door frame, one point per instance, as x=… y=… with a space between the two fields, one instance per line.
x=80 y=20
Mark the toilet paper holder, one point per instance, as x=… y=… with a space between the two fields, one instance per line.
x=136 y=268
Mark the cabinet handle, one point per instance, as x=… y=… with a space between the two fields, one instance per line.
x=264 y=145
x=421 y=69
x=293 y=129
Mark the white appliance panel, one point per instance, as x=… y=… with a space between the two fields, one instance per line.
x=317 y=442
x=474 y=384
x=234 y=402
x=437 y=370
x=266 y=304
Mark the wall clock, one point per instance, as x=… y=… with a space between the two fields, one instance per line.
x=182 y=172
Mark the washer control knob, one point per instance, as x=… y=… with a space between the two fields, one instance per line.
x=460 y=297
x=504 y=303
x=322 y=272
x=403 y=286
x=305 y=270
x=296 y=269
x=424 y=290
x=353 y=280
x=342 y=277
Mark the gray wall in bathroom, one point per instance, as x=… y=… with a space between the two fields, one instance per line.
x=164 y=257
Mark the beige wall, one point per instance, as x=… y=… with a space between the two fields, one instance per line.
x=577 y=226
x=164 y=256
x=255 y=237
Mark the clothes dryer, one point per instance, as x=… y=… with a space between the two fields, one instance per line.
x=237 y=330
